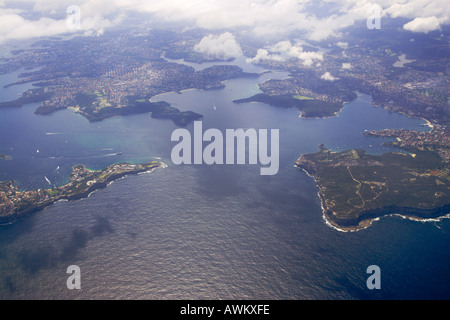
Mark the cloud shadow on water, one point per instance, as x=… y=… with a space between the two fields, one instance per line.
x=33 y=261
x=78 y=241
x=101 y=226
x=81 y=237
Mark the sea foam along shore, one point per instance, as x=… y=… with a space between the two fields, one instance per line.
x=366 y=223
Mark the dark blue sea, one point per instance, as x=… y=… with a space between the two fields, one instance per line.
x=198 y=231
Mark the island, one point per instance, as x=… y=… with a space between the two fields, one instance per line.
x=16 y=204
x=355 y=187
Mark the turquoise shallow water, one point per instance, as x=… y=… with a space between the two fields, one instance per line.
x=204 y=232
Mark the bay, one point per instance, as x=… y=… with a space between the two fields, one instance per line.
x=205 y=232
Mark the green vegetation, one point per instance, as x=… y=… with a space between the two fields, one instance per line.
x=96 y=108
x=356 y=186
x=299 y=97
x=113 y=98
x=53 y=192
x=309 y=107
x=319 y=109
x=3 y=157
x=15 y=203
x=29 y=96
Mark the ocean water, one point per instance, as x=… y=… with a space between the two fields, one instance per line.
x=198 y=231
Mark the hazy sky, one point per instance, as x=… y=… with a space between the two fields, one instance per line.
x=265 y=19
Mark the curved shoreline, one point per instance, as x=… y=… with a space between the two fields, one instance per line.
x=427 y=123
x=366 y=218
x=19 y=215
x=364 y=222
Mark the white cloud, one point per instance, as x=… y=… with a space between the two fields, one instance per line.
x=342 y=45
x=423 y=25
x=14 y=26
x=284 y=50
x=307 y=57
x=222 y=47
x=418 y=8
x=281 y=47
x=267 y=20
x=263 y=54
x=327 y=76
x=426 y=15
x=346 y=65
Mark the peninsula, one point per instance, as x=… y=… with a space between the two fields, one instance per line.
x=15 y=204
x=355 y=187
x=3 y=157
x=309 y=107
x=111 y=76
x=319 y=87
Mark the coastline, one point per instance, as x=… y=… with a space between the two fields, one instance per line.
x=428 y=123
x=171 y=92
x=327 y=109
x=21 y=214
x=334 y=115
x=365 y=219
